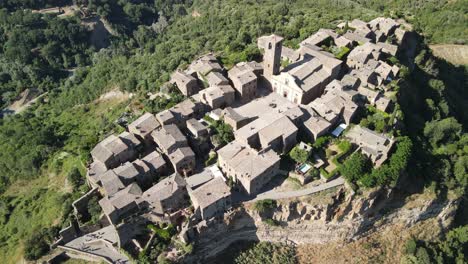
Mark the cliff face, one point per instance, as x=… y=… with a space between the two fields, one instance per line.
x=332 y=217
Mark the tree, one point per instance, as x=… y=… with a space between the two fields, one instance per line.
x=356 y=166
x=442 y=131
x=299 y=155
x=37 y=245
x=461 y=171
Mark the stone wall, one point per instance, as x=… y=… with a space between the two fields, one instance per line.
x=80 y=206
x=78 y=254
x=69 y=233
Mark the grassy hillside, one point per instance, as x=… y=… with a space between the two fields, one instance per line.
x=29 y=205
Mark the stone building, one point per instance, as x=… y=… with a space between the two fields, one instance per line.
x=186 y=83
x=166 y=117
x=211 y=199
x=234 y=119
x=244 y=80
x=111 y=183
x=272 y=55
x=252 y=169
x=219 y=96
x=156 y=163
x=204 y=65
x=375 y=146
x=169 y=138
x=183 y=160
x=216 y=78
x=197 y=129
x=115 y=150
x=185 y=110
x=315 y=126
x=121 y=205
x=143 y=126
x=305 y=80
x=280 y=135
x=166 y=196
x=336 y=103
x=128 y=173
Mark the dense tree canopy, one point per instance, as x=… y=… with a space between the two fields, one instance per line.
x=452 y=249
x=35 y=51
x=265 y=252
x=355 y=167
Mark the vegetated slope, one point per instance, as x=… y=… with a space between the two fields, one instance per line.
x=42 y=198
x=440 y=21
x=455 y=54
x=383 y=246
x=155 y=38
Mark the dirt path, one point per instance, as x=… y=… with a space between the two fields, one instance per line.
x=456 y=54
x=20 y=105
x=63 y=11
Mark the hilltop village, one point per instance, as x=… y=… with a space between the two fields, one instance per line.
x=181 y=169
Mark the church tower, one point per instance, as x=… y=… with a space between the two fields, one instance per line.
x=272 y=56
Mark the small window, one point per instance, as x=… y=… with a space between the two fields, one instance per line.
x=269 y=45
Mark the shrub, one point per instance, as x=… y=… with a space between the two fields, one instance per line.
x=94 y=210
x=410 y=247
x=264 y=252
x=344 y=145
x=211 y=159
x=37 y=245
x=264 y=205
x=314 y=173
x=321 y=142
x=271 y=222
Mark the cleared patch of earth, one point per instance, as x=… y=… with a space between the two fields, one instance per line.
x=384 y=246
x=115 y=95
x=455 y=54
x=64 y=11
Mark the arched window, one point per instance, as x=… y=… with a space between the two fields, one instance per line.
x=269 y=45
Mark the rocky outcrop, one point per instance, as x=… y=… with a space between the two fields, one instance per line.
x=339 y=217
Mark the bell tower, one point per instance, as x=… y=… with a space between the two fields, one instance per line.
x=272 y=56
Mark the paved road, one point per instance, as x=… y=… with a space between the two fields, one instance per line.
x=275 y=195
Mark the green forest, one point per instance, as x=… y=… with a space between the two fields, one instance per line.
x=51 y=140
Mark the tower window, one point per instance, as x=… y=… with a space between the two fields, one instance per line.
x=269 y=45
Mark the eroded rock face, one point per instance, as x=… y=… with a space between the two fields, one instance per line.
x=342 y=217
